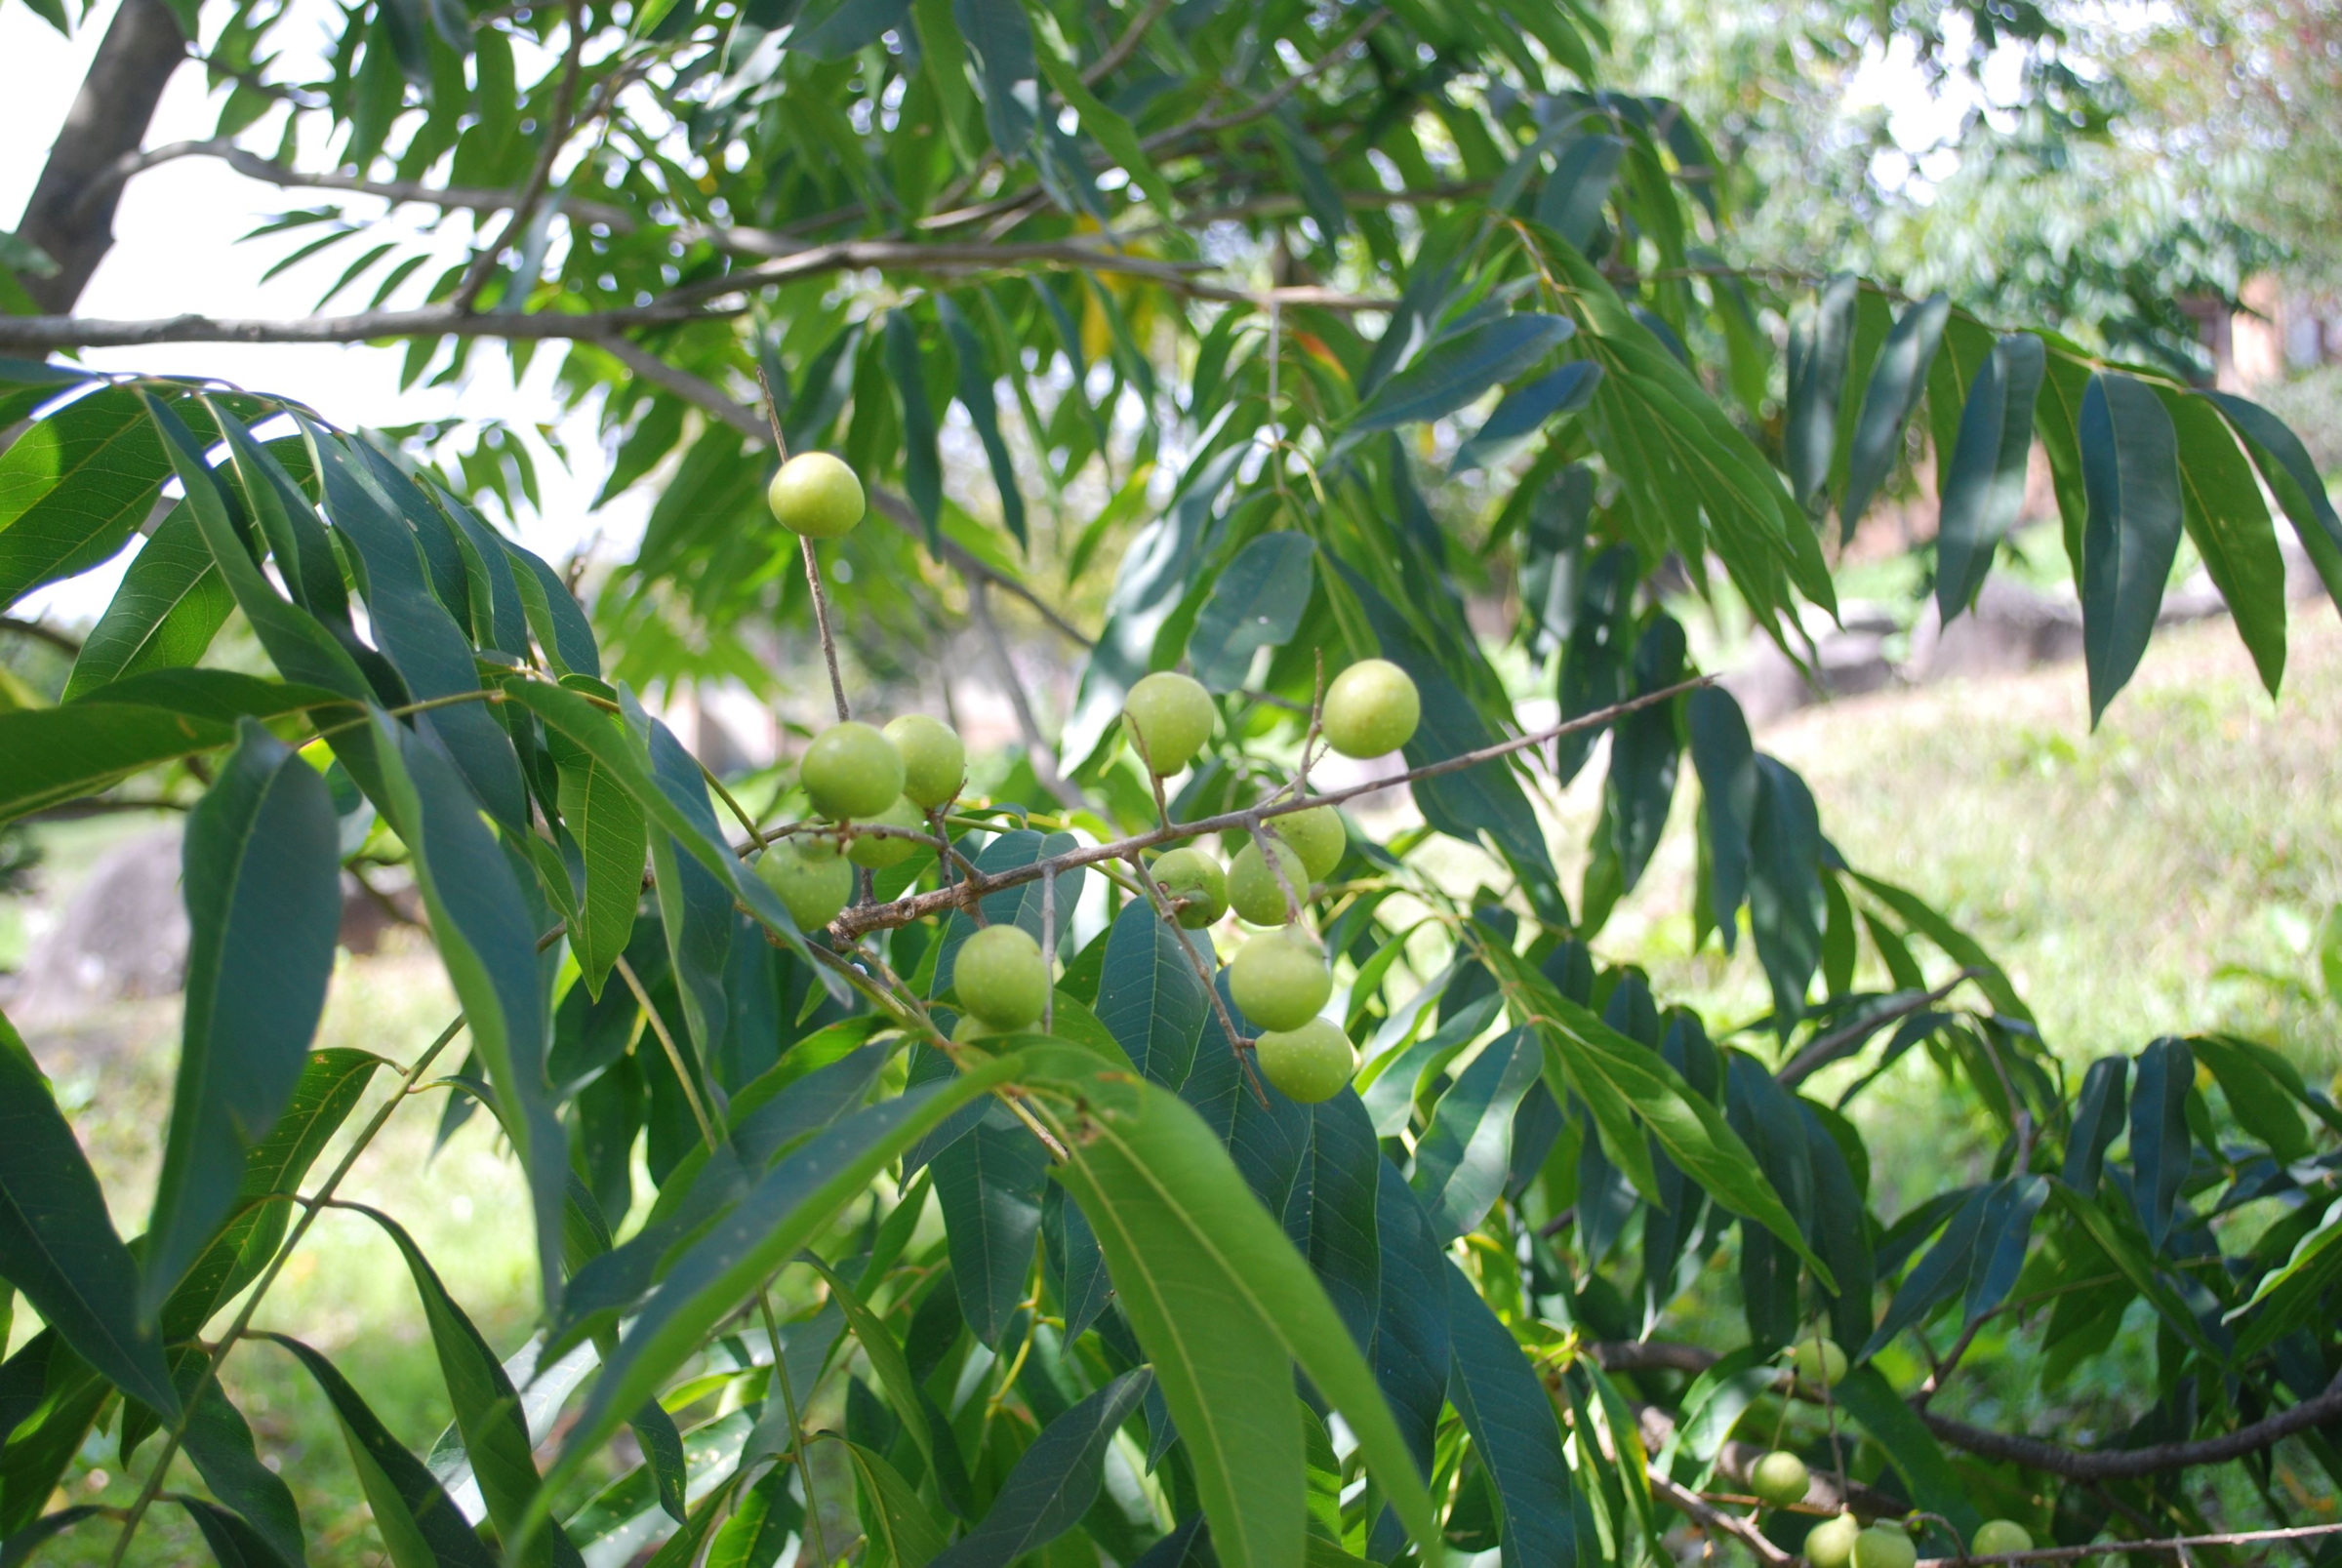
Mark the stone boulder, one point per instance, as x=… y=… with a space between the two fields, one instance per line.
x=123 y=934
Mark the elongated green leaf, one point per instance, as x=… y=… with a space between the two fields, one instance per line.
x=1570 y=201
x=1000 y=39
x=1055 y=1480
x=1526 y=411
x=1897 y=381
x=1462 y=1158
x=170 y=605
x=54 y=754
x=2288 y=1294
x=2292 y=477
x=1513 y=1428
x=57 y=1245
x=613 y=835
x=1867 y=1396
x=911 y=1536
x=922 y=463
x=777 y=1216
x=1819 y=346
x=2131 y=466
x=219 y=1440
x=988 y=1186
x=21 y=1548
x=563 y=635
x=74 y=487
x=1687 y=1127
x=760 y=1527
x=2264 y=1091
x=886 y=1358
x=1257 y=603
x=1984 y=477
x=1224 y=1307
x=233 y=1543
x=1452 y=373
x=1150 y=997
x=2221 y=507
x=488 y=1412
x=976 y=397
x=263 y=893
x=421 y=1526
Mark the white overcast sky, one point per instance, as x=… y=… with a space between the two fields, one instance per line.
x=177 y=251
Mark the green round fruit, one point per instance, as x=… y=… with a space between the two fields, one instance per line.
x=1191 y=876
x=1317 y=835
x=809 y=877
x=1171 y=717
x=1779 y=1478
x=879 y=853
x=970 y=1029
x=1371 y=709
x=1997 y=1538
x=1001 y=977
x=1831 y=1542
x=1309 y=1064
x=934 y=764
x=1884 y=1545
x=1819 y=1361
x=851 y=770
x=1253 y=887
x=816 y=495
x=1279 y=979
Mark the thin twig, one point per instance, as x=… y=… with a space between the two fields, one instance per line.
x=557 y=135
x=1825 y=1049
x=902 y=912
x=1237 y=1041
x=1106 y=64
x=2175 y=1546
x=675 y=1052
x=1713 y=1519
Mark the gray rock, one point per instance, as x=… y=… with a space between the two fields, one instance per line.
x=2010 y=628
x=1845 y=663
x=122 y=935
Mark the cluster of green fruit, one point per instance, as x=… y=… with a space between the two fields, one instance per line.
x=858 y=777
x=1780 y=1480
x=1281 y=977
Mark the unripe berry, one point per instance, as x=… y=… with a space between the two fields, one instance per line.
x=878 y=853
x=1279 y=979
x=1001 y=977
x=809 y=877
x=1171 y=715
x=1884 y=1545
x=1819 y=1361
x=1190 y=874
x=1253 y=887
x=1309 y=1064
x=1371 y=708
x=1779 y=1478
x=816 y=495
x=1997 y=1538
x=1317 y=835
x=934 y=764
x=851 y=770
x=1831 y=1542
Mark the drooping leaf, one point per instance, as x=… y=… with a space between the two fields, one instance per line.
x=74 y=487
x=1935 y=1486
x=1897 y=380
x=1257 y=603
x=613 y=835
x=910 y=1531
x=263 y=892
x=2292 y=477
x=1055 y=1480
x=2130 y=466
x=2222 y=510
x=989 y=1185
x=1526 y=411
x=922 y=464
x=1726 y=762
x=219 y=1440
x=1461 y=1160
x=170 y=605
x=2161 y=1148
x=233 y=1543
x=1513 y=1431
x=57 y=1244
x=1984 y=475
x=1452 y=373
x=1150 y=997
x=1819 y=346
x=976 y=397
x=1000 y=39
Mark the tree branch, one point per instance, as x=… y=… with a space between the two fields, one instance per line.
x=902 y=912
x=1106 y=64
x=70 y=646
x=2175 y=1546
x=1825 y=1049
x=252 y=166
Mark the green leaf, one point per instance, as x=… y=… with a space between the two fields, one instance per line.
x=1000 y=39
x=21 y=1548
x=910 y=1536
x=488 y=1412
x=2293 y=479
x=788 y=1208
x=170 y=605
x=2265 y=1092
x=219 y=1440
x=2224 y=514
x=1526 y=411
x=1224 y=1307
x=1725 y=758
x=1463 y=1157
x=606 y=819
x=2098 y=1113
x=2131 y=467
x=421 y=1526
x=1452 y=373
x=233 y=1543
x=976 y=397
x=886 y=1358
x=1935 y=1486
x=1897 y=381
x=1608 y=1068
x=1110 y=130
x=74 y=487
x=54 y=754
x=1256 y=603
x=1983 y=484
x=922 y=462
x=562 y=632
x=1819 y=345
x=1514 y=1430
x=2288 y=1295
x=1570 y=202
x=263 y=892
x=57 y=1244
x=1055 y=1480
x=760 y=1527
x=1788 y=902
x=988 y=1186
x=1150 y=997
